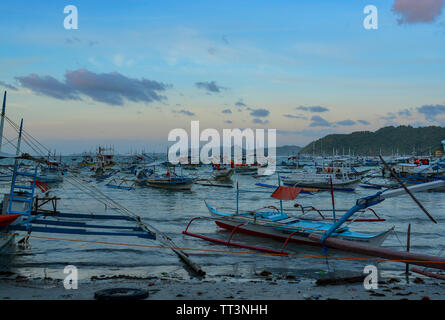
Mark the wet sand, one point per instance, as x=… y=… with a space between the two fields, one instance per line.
x=269 y=287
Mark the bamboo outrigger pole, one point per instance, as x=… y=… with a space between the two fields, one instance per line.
x=380 y=196
x=407 y=191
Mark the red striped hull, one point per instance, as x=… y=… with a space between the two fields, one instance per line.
x=266 y=235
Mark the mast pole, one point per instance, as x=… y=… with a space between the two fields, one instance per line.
x=2 y=120
x=17 y=151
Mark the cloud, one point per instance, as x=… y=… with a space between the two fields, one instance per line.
x=291 y=116
x=185 y=112
x=431 y=111
x=75 y=40
x=240 y=104
x=72 y=40
x=48 y=86
x=120 y=61
x=226 y=111
x=259 y=121
x=209 y=86
x=389 y=116
x=211 y=50
x=346 y=123
x=318 y=121
x=404 y=112
x=92 y=43
x=110 y=88
x=7 y=86
x=260 y=112
x=366 y=123
x=417 y=11
x=315 y=109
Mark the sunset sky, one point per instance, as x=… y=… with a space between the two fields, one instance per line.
x=134 y=70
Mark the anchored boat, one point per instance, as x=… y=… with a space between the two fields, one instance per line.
x=278 y=225
x=321 y=180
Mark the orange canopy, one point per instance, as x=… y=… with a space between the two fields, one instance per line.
x=285 y=193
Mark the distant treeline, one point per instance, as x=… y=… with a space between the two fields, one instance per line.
x=402 y=140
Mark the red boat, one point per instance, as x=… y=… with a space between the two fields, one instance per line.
x=7 y=219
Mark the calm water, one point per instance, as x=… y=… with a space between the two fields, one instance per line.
x=170 y=211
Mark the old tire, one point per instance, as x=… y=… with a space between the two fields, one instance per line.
x=121 y=294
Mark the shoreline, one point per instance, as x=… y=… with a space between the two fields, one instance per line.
x=271 y=287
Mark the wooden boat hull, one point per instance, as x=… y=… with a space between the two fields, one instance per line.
x=281 y=232
x=6 y=239
x=302 y=238
x=222 y=175
x=320 y=184
x=419 y=259
x=170 y=184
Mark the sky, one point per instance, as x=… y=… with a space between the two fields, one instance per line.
x=134 y=70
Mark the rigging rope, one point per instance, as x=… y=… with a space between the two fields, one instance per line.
x=36 y=146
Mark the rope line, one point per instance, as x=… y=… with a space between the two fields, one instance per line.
x=225 y=251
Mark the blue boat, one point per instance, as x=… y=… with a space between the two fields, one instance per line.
x=278 y=225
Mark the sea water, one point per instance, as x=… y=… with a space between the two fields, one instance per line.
x=170 y=211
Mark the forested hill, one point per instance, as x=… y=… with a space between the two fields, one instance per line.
x=403 y=140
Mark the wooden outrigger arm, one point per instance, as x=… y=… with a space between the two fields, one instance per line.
x=366 y=202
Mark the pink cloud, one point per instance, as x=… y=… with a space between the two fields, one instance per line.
x=417 y=11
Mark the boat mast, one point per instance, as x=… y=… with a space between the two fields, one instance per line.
x=17 y=151
x=2 y=121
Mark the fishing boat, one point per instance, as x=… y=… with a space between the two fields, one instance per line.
x=320 y=180
x=174 y=183
x=407 y=169
x=244 y=168
x=278 y=225
x=105 y=156
x=50 y=173
x=6 y=238
x=87 y=161
x=275 y=223
x=292 y=163
x=222 y=172
x=169 y=180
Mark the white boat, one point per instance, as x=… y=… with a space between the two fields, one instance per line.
x=320 y=180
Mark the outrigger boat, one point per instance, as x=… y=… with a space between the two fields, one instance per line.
x=174 y=183
x=170 y=180
x=51 y=172
x=105 y=156
x=278 y=225
x=87 y=161
x=341 y=182
x=222 y=172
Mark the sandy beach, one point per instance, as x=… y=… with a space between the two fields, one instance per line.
x=269 y=287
